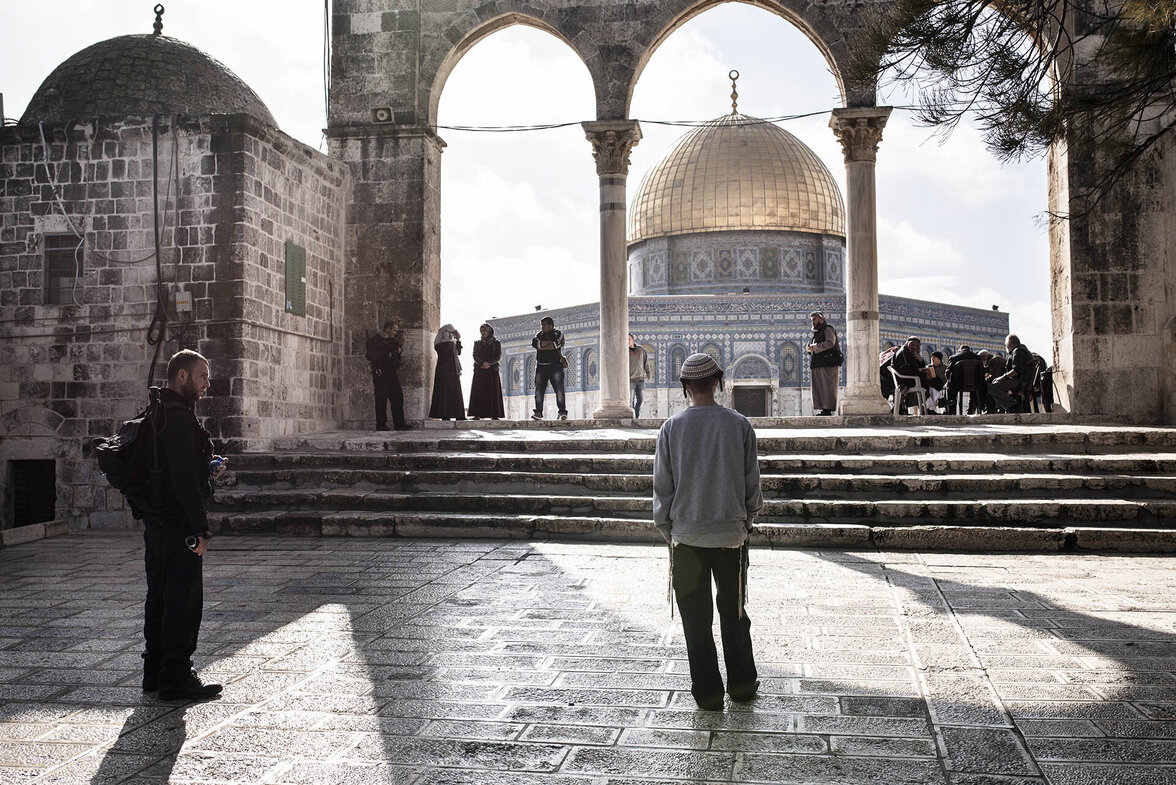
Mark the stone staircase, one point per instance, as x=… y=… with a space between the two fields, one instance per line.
x=957 y=485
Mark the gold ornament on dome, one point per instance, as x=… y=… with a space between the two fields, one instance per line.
x=737 y=173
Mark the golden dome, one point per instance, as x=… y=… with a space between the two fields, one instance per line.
x=737 y=172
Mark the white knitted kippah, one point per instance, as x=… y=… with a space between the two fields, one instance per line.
x=699 y=366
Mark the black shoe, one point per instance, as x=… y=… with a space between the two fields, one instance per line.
x=744 y=694
x=189 y=688
x=150 y=682
x=404 y=427
x=381 y=427
x=710 y=703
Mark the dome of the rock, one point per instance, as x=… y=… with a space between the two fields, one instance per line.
x=737 y=173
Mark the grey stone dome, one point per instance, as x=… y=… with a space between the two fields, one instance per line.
x=139 y=75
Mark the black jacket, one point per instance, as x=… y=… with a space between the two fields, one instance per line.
x=384 y=354
x=965 y=371
x=185 y=453
x=548 y=356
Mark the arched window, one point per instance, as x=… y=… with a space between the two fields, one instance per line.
x=529 y=377
x=514 y=379
x=591 y=370
x=714 y=351
x=790 y=366
x=572 y=372
x=677 y=358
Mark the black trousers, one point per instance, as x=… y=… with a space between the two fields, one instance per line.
x=693 y=570
x=175 y=602
x=388 y=393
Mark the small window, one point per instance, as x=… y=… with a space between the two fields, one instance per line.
x=34 y=491
x=295 y=279
x=63 y=268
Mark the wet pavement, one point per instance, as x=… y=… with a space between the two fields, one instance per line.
x=456 y=661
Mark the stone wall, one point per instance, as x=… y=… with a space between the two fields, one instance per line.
x=231 y=192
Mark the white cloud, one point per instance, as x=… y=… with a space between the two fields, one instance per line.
x=500 y=285
x=904 y=251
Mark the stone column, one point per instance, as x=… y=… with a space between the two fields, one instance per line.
x=611 y=143
x=860 y=131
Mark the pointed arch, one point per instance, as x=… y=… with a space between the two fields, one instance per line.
x=459 y=50
x=815 y=25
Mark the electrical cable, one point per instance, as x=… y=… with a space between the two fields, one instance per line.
x=685 y=123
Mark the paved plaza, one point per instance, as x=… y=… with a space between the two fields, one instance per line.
x=453 y=661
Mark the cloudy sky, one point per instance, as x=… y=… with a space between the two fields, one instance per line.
x=519 y=210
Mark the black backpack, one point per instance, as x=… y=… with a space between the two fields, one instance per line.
x=130 y=458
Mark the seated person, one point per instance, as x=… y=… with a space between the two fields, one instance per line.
x=1010 y=390
x=935 y=382
x=908 y=361
x=965 y=374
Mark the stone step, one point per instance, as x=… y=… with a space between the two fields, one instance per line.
x=897 y=439
x=978 y=537
x=1024 y=510
x=774 y=485
x=769 y=462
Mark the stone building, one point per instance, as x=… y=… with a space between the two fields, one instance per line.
x=734 y=237
x=150 y=203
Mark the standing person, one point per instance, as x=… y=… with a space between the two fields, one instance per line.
x=549 y=367
x=639 y=372
x=825 y=357
x=383 y=352
x=176 y=535
x=486 y=388
x=706 y=494
x=447 y=402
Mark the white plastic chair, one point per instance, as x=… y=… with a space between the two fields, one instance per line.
x=914 y=385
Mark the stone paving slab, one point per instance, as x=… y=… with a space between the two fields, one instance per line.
x=440 y=662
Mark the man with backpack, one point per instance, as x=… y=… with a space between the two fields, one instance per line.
x=175 y=529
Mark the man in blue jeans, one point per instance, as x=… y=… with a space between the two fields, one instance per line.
x=706 y=494
x=638 y=374
x=548 y=344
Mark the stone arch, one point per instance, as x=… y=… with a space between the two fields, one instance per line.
x=537 y=17
x=816 y=25
x=751 y=366
x=31 y=421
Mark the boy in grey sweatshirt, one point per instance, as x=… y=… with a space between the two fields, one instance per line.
x=706 y=494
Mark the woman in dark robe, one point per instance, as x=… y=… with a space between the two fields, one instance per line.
x=486 y=389
x=447 y=402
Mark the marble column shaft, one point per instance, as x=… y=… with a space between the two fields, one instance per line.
x=611 y=143
x=860 y=131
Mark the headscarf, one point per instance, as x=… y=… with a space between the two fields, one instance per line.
x=444 y=335
x=488 y=327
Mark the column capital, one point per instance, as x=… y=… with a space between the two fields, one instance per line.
x=611 y=142
x=859 y=131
